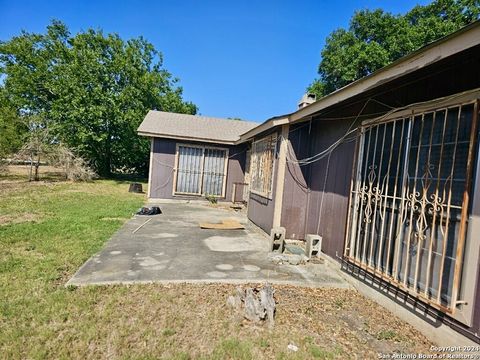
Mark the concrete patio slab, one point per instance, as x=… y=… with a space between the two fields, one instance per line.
x=171 y=247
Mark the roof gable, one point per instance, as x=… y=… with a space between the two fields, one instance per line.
x=193 y=127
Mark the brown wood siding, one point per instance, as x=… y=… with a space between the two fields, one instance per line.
x=296 y=190
x=329 y=180
x=163 y=162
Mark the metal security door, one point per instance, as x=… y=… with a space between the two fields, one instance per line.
x=214 y=172
x=200 y=170
x=410 y=201
x=189 y=170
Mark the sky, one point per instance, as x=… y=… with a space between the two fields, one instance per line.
x=244 y=59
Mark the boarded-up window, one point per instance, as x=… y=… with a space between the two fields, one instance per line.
x=201 y=170
x=261 y=168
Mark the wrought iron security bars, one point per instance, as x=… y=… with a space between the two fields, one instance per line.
x=409 y=202
x=200 y=170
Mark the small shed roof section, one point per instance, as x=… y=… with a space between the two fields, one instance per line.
x=193 y=127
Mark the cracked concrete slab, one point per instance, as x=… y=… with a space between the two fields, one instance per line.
x=171 y=248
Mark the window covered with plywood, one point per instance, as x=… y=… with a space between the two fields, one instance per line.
x=262 y=165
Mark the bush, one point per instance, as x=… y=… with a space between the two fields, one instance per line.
x=78 y=170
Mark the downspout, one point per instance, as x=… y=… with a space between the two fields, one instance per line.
x=282 y=162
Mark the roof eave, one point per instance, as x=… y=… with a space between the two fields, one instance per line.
x=186 y=138
x=269 y=124
x=463 y=39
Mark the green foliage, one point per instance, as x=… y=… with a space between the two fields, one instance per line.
x=320 y=353
x=233 y=349
x=168 y=332
x=376 y=38
x=93 y=88
x=12 y=128
x=386 y=335
x=211 y=198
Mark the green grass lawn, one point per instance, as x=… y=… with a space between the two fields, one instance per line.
x=49 y=229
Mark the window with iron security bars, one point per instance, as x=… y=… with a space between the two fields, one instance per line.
x=200 y=170
x=262 y=165
x=409 y=202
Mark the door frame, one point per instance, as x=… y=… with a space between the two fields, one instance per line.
x=202 y=164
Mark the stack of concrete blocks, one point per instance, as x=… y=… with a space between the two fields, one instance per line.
x=277 y=239
x=313 y=246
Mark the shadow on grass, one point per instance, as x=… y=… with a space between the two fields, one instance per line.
x=47 y=176
x=125 y=178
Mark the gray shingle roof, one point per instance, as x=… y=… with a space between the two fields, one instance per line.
x=193 y=127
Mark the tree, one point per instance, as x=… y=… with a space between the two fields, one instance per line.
x=12 y=129
x=376 y=38
x=37 y=147
x=93 y=88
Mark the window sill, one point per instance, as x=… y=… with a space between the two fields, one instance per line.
x=262 y=194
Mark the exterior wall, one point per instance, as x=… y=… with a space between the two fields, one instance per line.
x=260 y=208
x=297 y=189
x=163 y=163
x=316 y=195
x=318 y=204
x=474 y=230
x=304 y=185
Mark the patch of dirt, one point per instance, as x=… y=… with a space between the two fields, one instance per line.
x=9 y=187
x=165 y=321
x=19 y=218
x=24 y=170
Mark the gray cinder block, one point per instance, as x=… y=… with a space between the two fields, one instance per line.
x=277 y=239
x=313 y=246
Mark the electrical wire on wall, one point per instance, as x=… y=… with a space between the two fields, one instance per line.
x=237 y=153
x=324 y=153
x=327 y=153
x=172 y=169
x=169 y=175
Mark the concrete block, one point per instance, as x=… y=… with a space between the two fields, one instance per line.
x=313 y=246
x=277 y=239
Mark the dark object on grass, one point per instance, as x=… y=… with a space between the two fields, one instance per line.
x=154 y=210
x=135 y=188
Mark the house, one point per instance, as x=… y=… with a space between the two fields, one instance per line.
x=193 y=156
x=386 y=170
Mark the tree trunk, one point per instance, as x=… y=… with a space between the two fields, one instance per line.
x=37 y=165
x=31 y=169
x=37 y=177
